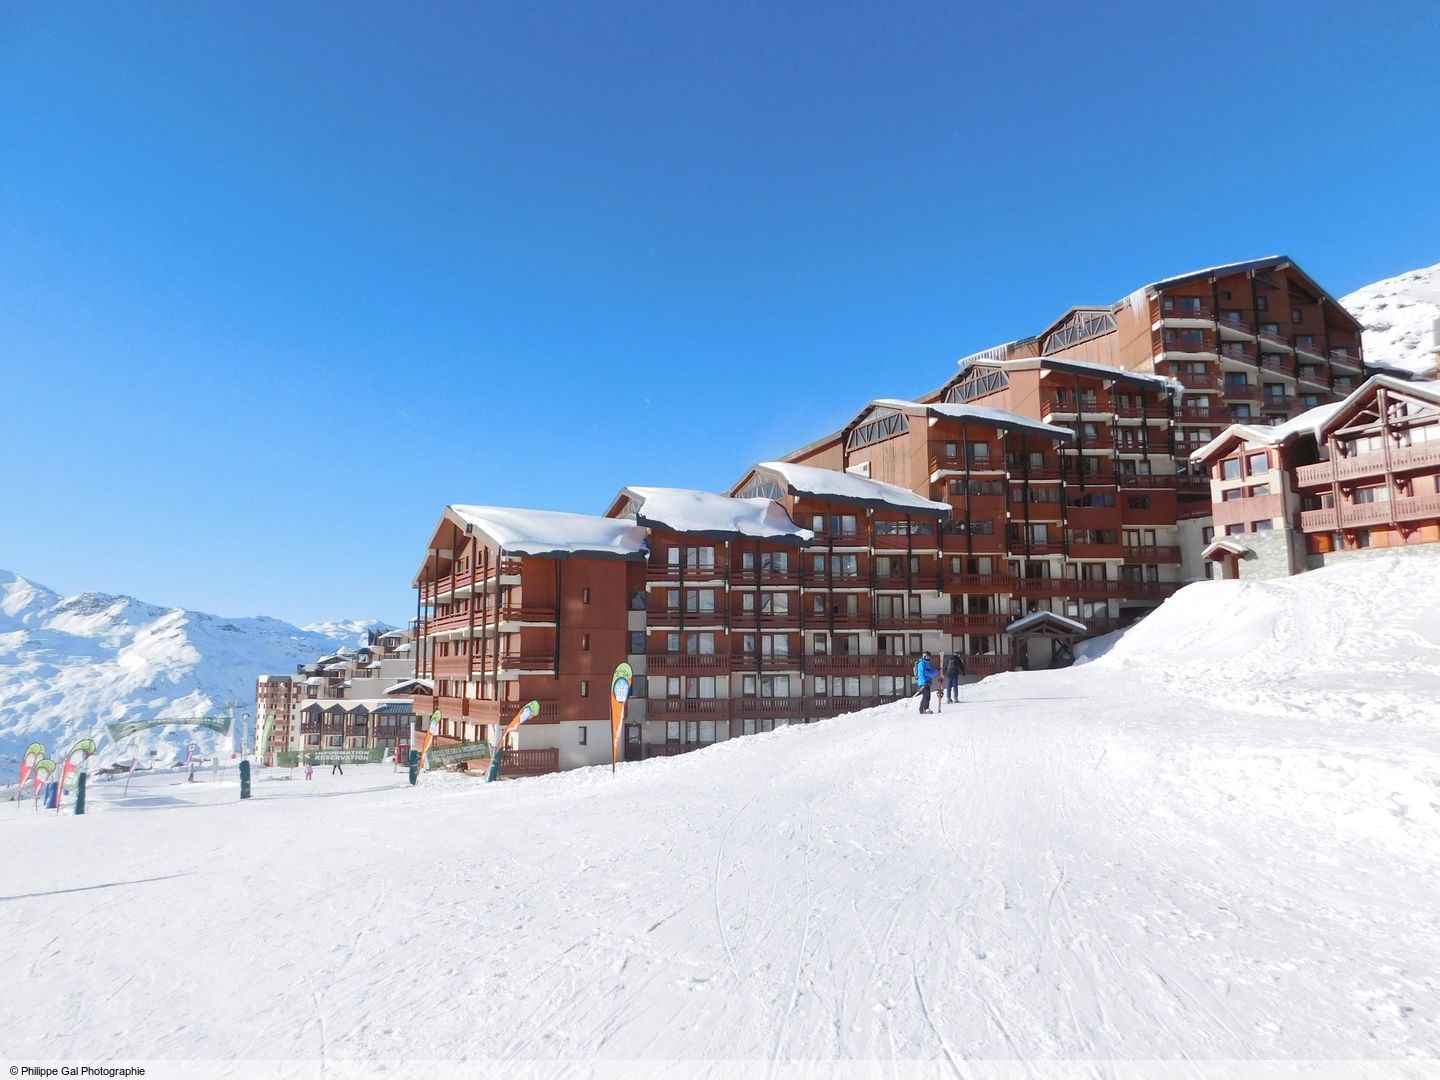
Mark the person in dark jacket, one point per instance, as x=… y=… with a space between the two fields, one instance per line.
x=954 y=668
x=925 y=672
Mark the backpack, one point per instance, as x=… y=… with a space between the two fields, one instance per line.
x=919 y=679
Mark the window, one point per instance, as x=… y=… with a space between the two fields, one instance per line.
x=1257 y=463
x=700 y=558
x=700 y=643
x=637 y=642
x=1378 y=493
x=584 y=596
x=1262 y=526
x=1138 y=502
x=700 y=687
x=1297 y=316
x=584 y=735
x=584 y=642
x=1262 y=303
x=672 y=599
x=700 y=600
x=1257 y=490
x=584 y=687
x=844 y=523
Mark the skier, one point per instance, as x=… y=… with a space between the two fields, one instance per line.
x=335 y=767
x=954 y=668
x=309 y=769
x=924 y=675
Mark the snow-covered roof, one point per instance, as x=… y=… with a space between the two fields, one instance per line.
x=1174 y=387
x=1310 y=422
x=1225 y=546
x=314 y=680
x=845 y=487
x=365 y=705
x=703 y=513
x=551 y=533
x=1039 y=618
x=412 y=686
x=1222 y=269
x=978 y=414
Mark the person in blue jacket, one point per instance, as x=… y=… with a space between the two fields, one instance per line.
x=925 y=672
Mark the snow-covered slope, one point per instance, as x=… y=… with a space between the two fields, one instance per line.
x=1399 y=316
x=68 y=665
x=1215 y=843
x=350 y=631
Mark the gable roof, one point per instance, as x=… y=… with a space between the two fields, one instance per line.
x=1308 y=422
x=1037 y=620
x=720 y=517
x=551 y=533
x=843 y=487
x=974 y=414
x=1428 y=390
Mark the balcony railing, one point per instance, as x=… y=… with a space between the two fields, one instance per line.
x=988 y=664
x=1345 y=360
x=979 y=583
x=1193 y=380
x=986 y=623
x=789 y=576
x=1242 y=392
x=1152 y=553
x=791 y=708
x=1205 y=345
x=701 y=708
x=837 y=706
x=448 y=583
x=905 y=542
x=690 y=663
x=1177 y=311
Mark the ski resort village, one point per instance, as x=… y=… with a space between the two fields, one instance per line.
x=1078 y=716
x=719 y=541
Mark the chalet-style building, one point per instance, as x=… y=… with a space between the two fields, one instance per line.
x=1044 y=493
x=1347 y=478
x=520 y=605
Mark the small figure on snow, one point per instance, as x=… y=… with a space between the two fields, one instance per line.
x=954 y=668
x=924 y=676
x=335 y=767
x=309 y=769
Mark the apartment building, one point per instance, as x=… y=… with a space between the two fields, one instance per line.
x=1045 y=492
x=1341 y=480
x=518 y=605
x=345 y=700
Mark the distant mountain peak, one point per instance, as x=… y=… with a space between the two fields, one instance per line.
x=1399 y=316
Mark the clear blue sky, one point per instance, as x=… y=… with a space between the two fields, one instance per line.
x=278 y=281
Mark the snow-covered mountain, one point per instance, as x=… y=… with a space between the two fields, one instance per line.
x=350 y=631
x=1399 y=315
x=69 y=665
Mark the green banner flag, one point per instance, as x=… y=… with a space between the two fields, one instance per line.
x=450 y=755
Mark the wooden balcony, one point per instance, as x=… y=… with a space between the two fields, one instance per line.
x=464 y=581
x=833 y=664
x=946 y=463
x=1157 y=443
x=687 y=663
x=1206 y=344
x=538 y=762
x=1344 y=360
x=1152 y=553
x=1198 y=414
x=979 y=583
x=791 y=708
x=1400 y=459
x=1019 y=546
x=688 y=708
x=1036 y=511
x=1210 y=380
x=907 y=622
x=753 y=577
x=523 y=661
x=1361 y=515
x=987 y=623
x=1278 y=363
x=905 y=542
x=1242 y=392
x=1159 y=310
x=919 y=581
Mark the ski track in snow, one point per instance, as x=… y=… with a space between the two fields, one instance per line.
x=1128 y=860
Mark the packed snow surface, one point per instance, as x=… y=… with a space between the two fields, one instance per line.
x=1215 y=841
x=69 y=665
x=1399 y=315
x=552 y=532
x=684 y=510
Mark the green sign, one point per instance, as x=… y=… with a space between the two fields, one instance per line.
x=121 y=728
x=355 y=755
x=449 y=755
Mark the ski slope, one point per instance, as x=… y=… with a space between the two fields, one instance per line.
x=1216 y=843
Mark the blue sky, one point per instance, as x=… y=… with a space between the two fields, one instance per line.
x=279 y=281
